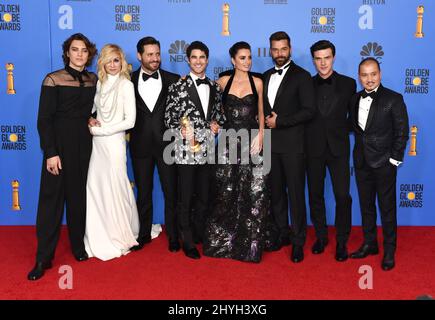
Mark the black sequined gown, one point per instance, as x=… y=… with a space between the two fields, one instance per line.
x=240 y=211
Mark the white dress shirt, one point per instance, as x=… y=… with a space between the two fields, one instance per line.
x=149 y=90
x=203 y=92
x=363 y=114
x=275 y=82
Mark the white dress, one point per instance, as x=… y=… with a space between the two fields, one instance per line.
x=112 y=223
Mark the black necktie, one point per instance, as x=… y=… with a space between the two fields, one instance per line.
x=279 y=71
x=366 y=94
x=146 y=76
x=201 y=81
x=321 y=81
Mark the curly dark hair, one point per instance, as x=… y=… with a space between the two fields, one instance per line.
x=92 y=49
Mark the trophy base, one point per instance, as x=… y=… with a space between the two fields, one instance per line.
x=11 y=91
x=419 y=35
x=16 y=208
x=225 y=33
x=412 y=153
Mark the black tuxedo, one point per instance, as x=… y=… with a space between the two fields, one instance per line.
x=194 y=172
x=327 y=145
x=146 y=149
x=384 y=137
x=294 y=105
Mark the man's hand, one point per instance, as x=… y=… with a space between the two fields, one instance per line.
x=214 y=127
x=92 y=122
x=271 y=120
x=54 y=165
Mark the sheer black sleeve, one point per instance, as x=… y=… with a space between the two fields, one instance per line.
x=47 y=110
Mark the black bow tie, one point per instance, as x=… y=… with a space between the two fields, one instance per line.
x=279 y=71
x=201 y=81
x=321 y=81
x=146 y=76
x=366 y=94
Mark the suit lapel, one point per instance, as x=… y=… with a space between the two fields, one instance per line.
x=283 y=82
x=161 y=99
x=194 y=97
x=210 y=100
x=372 y=111
x=356 y=113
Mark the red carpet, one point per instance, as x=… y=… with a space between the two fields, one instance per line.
x=155 y=273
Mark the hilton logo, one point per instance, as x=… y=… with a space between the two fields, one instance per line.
x=13 y=137
x=322 y=20
x=416 y=81
x=177 y=51
x=411 y=195
x=179 y=1
x=373 y=2
x=263 y=52
x=275 y=1
x=372 y=49
x=10 y=19
x=127 y=18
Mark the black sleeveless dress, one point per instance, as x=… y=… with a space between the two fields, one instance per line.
x=240 y=211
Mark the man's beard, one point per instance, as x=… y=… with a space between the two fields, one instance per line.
x=283 y=59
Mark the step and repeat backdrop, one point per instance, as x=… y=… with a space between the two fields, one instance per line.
x=398 y=33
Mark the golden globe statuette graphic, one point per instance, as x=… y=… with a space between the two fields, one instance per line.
x=413 y=144
x=225 y=20
x=10 y=68
x=419 y=31
x=15 y=196
x=194 y=145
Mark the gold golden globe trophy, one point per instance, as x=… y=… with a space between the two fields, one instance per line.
x=194 y=145
x=419 y=30
x=225 y=20
x=15 y=196
x=413 y=144
x=10 y=68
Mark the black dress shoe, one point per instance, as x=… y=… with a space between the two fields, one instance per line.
x=297 y=254
x=364 y=251
x=388 y=261
x=341 y=252
x=174 y=246
x=82 y=257
x=192 y=253
x=141 y=243
x=277 y=244
x=38 y=270
x=319 y=246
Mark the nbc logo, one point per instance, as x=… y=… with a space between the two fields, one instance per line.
x=372 y=49
x=177 y=51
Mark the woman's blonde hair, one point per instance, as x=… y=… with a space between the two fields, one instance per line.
x=108 y=52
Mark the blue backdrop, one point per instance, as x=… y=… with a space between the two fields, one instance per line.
x=32 y=31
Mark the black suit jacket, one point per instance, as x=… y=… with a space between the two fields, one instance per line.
x=332 y=127
x=146 y=138
x=386 y=131
x=294 y=105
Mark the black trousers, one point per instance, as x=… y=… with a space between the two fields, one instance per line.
x=380 y=183
x=339 y=171
x=66 y=189
x=143 y=169
x=194 y=193
x=288 y=184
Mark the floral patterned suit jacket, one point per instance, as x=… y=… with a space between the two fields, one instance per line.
x=183 y=100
